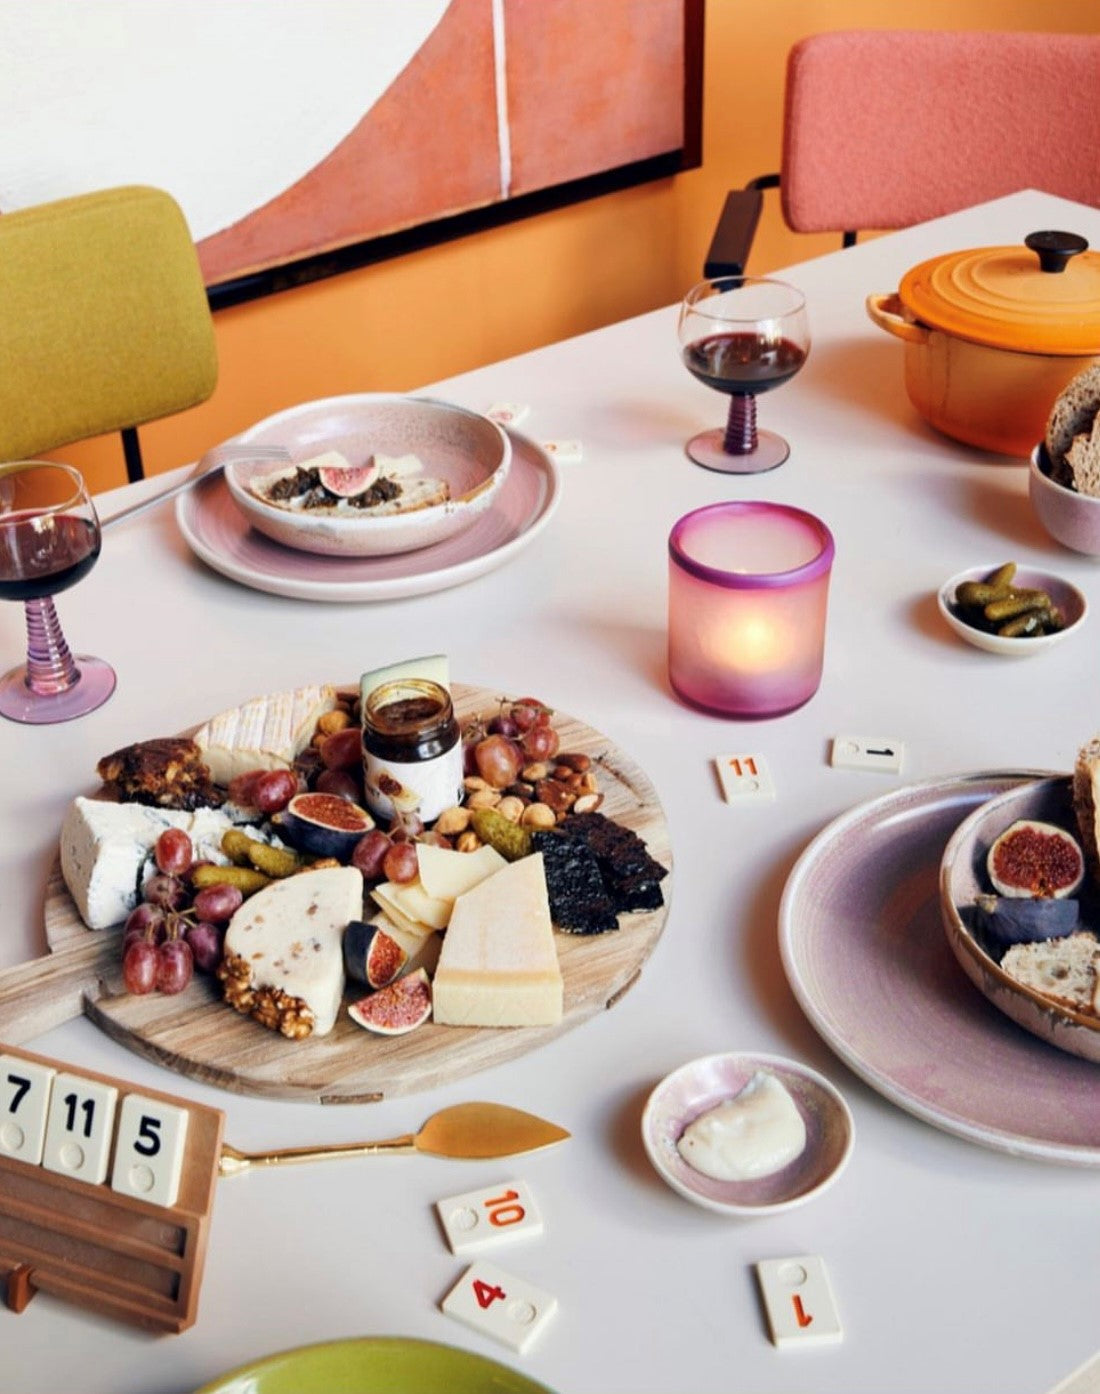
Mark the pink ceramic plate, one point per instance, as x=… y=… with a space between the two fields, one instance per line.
x=863 y=947
x=217 y=532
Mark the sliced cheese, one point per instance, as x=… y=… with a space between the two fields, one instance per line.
x=433 y=668
x=428 y=910
x=291 y=936
x=385 y=897
x=446 y=874
x=498 y=965
x=267 y=733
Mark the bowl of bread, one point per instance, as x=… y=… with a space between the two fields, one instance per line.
x=1064 y=478
x=371 y=474
x=1020 y=902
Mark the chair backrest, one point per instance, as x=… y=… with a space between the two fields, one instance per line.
x=885 y=128
x=104 y=320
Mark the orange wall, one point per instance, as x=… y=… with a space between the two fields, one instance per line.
x=410 y=321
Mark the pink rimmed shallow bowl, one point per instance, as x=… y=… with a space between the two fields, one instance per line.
x=703 y=1084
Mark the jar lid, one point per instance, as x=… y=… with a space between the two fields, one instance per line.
x=1040 y=297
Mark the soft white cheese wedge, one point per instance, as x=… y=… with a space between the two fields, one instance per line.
x=267 y=733
x=498 y=965
x=290 y=934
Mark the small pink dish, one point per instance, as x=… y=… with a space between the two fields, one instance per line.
x=1071 y=518
x=703 y=1084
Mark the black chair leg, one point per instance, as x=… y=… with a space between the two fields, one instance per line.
x=131 y=449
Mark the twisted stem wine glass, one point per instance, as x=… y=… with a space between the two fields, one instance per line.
x=49 y=540
x=742 y=335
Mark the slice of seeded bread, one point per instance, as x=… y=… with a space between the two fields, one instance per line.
x=1073 y=414
x=1062 y=969
x=1083 y=461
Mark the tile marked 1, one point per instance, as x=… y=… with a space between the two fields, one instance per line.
x=867 y=753
x=799 y=1301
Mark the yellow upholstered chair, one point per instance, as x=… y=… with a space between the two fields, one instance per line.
x=104 y=321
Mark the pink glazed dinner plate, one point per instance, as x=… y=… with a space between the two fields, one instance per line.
x=219 y=534
x=863 y=946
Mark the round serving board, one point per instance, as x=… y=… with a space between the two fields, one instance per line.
x=196 y=1034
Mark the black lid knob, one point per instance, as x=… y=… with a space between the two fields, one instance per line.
x=1055 y=248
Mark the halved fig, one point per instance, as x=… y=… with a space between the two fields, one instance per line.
x=348 y=481
x=1035 y=859
x=397 y=1009
x=324 y=824
x=371 y=956
x=1008 y=920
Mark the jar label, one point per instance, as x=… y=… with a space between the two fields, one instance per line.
x=425 y=787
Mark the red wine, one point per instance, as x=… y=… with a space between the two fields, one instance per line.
x=45 y=560
x=745 y=363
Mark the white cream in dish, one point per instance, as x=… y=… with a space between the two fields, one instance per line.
x=757 y=1132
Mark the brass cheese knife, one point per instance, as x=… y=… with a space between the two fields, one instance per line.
x=468 y=1131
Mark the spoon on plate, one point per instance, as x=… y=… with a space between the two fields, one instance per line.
x=476 y=1130
x=213 y=462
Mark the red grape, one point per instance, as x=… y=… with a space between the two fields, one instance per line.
x=139 y=967
x=434 y=839
x=218 y=903
x=167 y=892
x=540 y=743
x=146 y=921
x=343 y=750
x=175 y=965
x=342 y=783
x=504 y=725
x=274 y=789
x=499 y=761
x=400 y=863
x=525 y=713
x=369 y=853
x=205 y=943
x=173 y=852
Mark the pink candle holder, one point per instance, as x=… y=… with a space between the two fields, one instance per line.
x=747 y=593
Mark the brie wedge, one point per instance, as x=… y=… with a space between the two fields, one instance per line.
x=284 y=949
x=267 y=733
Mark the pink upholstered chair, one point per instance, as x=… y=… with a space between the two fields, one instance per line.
x=884 y=128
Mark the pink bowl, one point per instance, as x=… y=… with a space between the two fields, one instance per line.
x=1071 y=518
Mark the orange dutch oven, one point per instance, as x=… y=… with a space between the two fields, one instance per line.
x=992 y=335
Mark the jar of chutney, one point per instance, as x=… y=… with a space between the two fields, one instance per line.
x=412 y=750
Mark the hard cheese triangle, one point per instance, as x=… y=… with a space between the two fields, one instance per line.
x=499 y=965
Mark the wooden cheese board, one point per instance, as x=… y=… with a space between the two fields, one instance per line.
x=196 y=1034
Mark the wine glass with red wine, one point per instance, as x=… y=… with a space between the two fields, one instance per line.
x=742 y=335
x=49 y=540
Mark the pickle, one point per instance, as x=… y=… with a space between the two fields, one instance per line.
x=1023 y=626
x=977 y=594
x=1003 y=576
x=235 y=845
x=275 y=862
x=509 y=839
x=246 y=878
x=1016 y=603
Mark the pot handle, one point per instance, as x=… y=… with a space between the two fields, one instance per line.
x=887 y=313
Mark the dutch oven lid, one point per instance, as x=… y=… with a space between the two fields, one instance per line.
x=1041 y=297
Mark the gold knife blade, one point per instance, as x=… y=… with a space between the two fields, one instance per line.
x=467 y=1131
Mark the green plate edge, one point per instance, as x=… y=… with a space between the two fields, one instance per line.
x=374 y=1365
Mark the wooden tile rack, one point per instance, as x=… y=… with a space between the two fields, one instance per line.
x=126 y=1258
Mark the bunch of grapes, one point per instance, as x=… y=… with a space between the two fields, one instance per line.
x=171 y=933
x=518 y=735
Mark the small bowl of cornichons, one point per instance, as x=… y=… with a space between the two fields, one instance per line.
x=1009 y=610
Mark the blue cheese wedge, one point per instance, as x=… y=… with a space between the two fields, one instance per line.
x=283 y=963
x=267 y=733
x=106 y=851
x=499 y=965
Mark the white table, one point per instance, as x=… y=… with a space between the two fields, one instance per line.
x=955 y=1267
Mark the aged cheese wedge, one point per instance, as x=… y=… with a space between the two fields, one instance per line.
x=267 y=733
x=283 y=948
x=498 y=965
x=445 y=874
